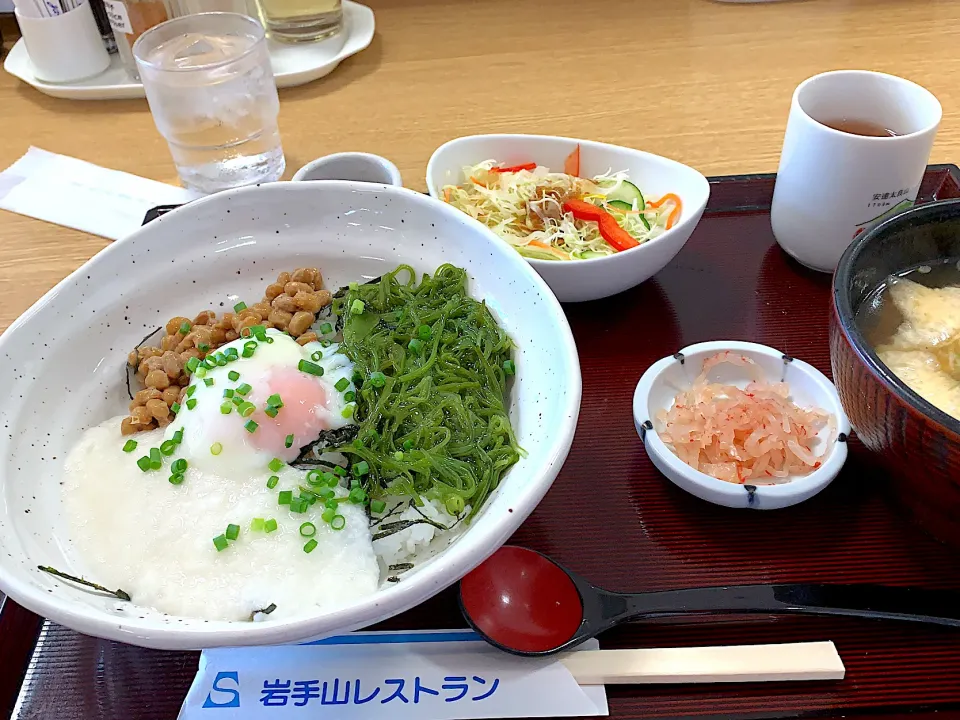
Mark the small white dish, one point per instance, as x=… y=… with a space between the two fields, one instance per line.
x=355 y=166
x=808 y=386
x=579 y=280
x=292 y=64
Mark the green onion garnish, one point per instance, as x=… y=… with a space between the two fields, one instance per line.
x=179 y=465
x=191 y=389
x=357 y=307
x=240 y=307
x=315 y=477
x=361 y=468
x=270 y=525
x=340 y=470
x=220 y=359
x=284 y=497
x=378 y=379
x=191 y=403
x=246 y=409
x=308 y=529
x=317 y=356
x=233 y=375
x=226 y=407
x=339 y=522
x=200 y=372
x=276 y=465
x=328 y=515
x=349 y=396
x=228 y=393
x=415 y=345
x=233 y=531
x=377 y=506
x=130 y=446
x=259 y=330
x=455 y=505
x=168 y=447
x=325 y=343
x=238 y=400
x=216 y=449
x=275 y=401
x=184 y=328
x=326 y=493
x=250 y=426
x=208 y=382
x=348 y=411
x=203 y=347
x=398 y=455
x=208 y=363
x=288 y=442
x=231 y=353
x=272 y=481
x=358 y=496
x=176 y=478
x=144 y=463
x=248 y=351
x=298 y=505
x=424 y=332
x=257 y=524
x=178 y=436
x=309 y=546
x=175 y=408
x=342 y=384
x=271 y=412
x=220 y=543
x=309 y=367
x=326 y=329
x=156 y=462
x=243 y=388
x=509 y=368
x=408 y=444
x=331 y=479
x=354 y=483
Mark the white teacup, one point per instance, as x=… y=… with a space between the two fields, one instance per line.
x=834 y=184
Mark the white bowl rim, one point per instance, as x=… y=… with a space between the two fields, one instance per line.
x=535 y=262
x=797 y=487
x=402 y=596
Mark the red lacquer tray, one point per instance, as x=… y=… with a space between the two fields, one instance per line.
x=612 y=517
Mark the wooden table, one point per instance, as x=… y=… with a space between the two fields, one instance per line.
x=707 y=83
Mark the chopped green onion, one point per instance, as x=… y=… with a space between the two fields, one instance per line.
x=271 y=412
x=208 y=382
x=357 y=307
x=330 y=479
x=340 y=470
x=454 y=504
x=203 y=347
x=200 y=372
x=309 y=546
x=415 y=345
x=226 y=407
x=248 y=351
x=216 y=448
x=179 y=465
x=315 y=477
x=240 y=307
x=220 y=359
x=398 y=455
x=208 y=363
x=175 y=408
x=326 y=329
x=339 y=522
x=270 y=525
x=358 y=496
x=130 y=446
x=233 y=375
x=309 y=367
x=243 y=388
x=156 y=462
x=308 y=529
x=275 y=400
x=238 y=400
x=349 y=396
x=325 y=343
x=331 y=503
x=191 y=403
x=348 y=411
x=168 y=447
x=354 y=483
x=408 y=444
x=191 y=389
x=328 y=515
x=178 y=436
x=257 y=524
x=228 y=393
x=424 y=332
x=317 y=356
x=233 y=531
x=509 y=367
x=144 y=463
x=272 y=481
x=250 y=426
x=276 y=465
x=220 y=543
x=185 y=328
x=231 y=353
x=298 y=505
x=377 y=506
x=284 y=497
x=259 y=330
x=361 y=468
x=378 y=379
x=176 y=478
x=342 y=384
x=288 y=442
x=326 y=493
x=246 y=409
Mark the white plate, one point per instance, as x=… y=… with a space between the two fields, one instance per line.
x=63 y=363
x=292 y=64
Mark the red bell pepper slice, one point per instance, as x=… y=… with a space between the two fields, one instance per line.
x=514 y=168
x=618 y=238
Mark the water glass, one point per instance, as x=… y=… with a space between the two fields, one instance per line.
x=211 y=91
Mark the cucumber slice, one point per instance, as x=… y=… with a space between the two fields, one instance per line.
x=627 y=192
x=620 y=205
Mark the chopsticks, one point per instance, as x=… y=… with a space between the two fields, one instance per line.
x=723 y=664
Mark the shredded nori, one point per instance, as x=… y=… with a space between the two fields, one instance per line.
x=310 y=454
x=443 y=395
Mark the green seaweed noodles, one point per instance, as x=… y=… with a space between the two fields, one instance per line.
x=435 y=425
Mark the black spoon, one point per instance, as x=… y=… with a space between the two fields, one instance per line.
x=525 y=603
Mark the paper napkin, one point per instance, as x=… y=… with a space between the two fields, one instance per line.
x=432 y=675
x=81 y=195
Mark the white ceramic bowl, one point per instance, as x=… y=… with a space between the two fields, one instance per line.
x=358 y=166
x=63 y=361
x=579 y=280
x=809 y=388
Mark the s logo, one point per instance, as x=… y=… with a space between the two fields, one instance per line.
x=220 y=686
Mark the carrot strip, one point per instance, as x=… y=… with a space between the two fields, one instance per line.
x=549 y=248
x=446 y=194
x=477 y=182
x=674 y=213
x=571 y=166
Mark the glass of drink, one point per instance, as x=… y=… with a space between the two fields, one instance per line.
x=296 y=21
x=212 y=94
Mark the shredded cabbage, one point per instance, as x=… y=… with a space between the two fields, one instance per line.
x=525 y=209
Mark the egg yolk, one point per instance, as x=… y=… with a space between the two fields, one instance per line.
x=304 y=413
